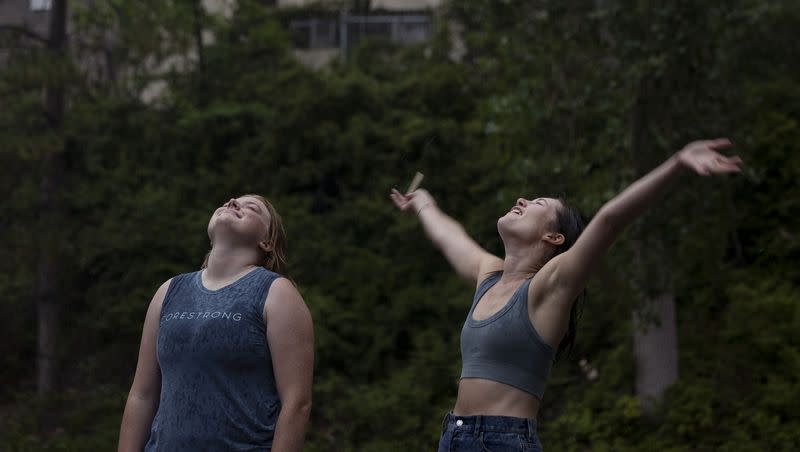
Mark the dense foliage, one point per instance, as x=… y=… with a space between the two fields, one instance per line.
x=573 y=98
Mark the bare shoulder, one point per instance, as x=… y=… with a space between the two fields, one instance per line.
x=162 y=289
x=284 y=299
x=284 y=288
x=158 y=297
x=490 y=264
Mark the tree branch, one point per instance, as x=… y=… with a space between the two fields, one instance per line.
x=24 y=31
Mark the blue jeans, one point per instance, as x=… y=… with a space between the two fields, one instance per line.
x=488 y=433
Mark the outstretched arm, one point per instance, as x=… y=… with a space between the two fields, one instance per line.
x=468 y=259
x=565 y=276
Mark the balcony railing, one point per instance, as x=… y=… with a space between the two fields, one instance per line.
x=346 y=31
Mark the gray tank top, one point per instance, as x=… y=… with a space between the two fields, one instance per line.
x=217 y=385
x=505 y=347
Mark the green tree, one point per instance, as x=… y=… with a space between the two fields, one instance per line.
x=577 y=98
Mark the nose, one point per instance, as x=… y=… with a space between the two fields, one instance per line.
x=522 y=202
x=232 y=203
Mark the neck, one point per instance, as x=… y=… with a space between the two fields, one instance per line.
x=227 y=261
x=522 y=263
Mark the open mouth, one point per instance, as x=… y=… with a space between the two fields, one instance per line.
x=517 y=210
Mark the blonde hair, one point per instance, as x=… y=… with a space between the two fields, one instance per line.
x=275 y=259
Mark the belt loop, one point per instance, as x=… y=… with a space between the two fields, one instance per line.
x=478 y=420
x=531 y=429
x=444 y=420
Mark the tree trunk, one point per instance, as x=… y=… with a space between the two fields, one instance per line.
x=655 y=349
x=49 y=260
x=197 y=25
x=655 y=335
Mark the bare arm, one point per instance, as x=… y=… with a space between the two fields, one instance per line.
x=146 y=388
x=567 y=274
x=468 y=258
x=290 y=334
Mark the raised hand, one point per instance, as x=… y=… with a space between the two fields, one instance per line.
x=412 y=202
x=703 y=157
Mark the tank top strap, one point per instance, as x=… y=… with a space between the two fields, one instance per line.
x=520 y=299
x=262 y=281
x=484 y=287
x=177 y=284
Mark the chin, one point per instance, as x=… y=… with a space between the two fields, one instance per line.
x=503 y=225
x=508 y=230
x=505 y=220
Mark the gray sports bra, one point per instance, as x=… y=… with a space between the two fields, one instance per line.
x=505 y=347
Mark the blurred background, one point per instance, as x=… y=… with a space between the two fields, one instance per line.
x=124 y=124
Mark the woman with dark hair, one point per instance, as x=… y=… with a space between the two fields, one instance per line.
x=524 y=305
x=227 y=352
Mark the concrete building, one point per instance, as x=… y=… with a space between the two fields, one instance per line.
x=321 y=30
x=332 y=29
x=29 y=14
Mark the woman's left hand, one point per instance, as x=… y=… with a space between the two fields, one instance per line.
x=703 y=157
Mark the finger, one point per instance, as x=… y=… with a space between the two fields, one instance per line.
x=735 y=160
x=729 y=168
x=722 y=164
x=399 y=196
x=407 y=196
x=719 y=143
x=398 y=201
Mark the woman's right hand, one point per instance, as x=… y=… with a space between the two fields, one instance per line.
x=704 y=157
x=412 y=202
x=468 y=259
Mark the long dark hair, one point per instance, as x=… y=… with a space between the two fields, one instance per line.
x=570 y=224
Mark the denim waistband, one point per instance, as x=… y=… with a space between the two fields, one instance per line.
x=478 y=424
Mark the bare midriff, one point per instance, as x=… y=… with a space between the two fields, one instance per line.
x=477 y=396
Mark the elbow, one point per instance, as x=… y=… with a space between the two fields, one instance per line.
x=299 y=407
x=304 y=407
x=139 y=399
x=145 y=391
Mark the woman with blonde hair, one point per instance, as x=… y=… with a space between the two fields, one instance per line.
x=227 y=352
x=523 y=310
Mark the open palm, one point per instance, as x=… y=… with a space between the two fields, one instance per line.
x=703 y=157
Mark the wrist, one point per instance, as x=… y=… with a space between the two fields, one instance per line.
x=423 y=207
x=678 y=159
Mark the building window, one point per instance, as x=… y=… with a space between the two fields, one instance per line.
x=412 y=32
x=400 y=29
x=315 y=33
x=40 y=5
x=346 y=31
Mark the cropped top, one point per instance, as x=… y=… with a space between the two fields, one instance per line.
x=506 y=347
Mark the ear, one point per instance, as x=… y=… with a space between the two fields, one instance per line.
x=266 y=247
x=554 y=238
